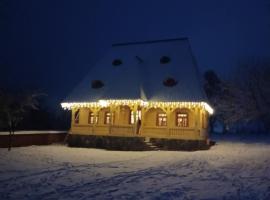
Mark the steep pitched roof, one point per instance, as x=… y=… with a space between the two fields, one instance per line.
x=141 y=74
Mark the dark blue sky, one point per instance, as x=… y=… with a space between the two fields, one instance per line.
x=50 y=44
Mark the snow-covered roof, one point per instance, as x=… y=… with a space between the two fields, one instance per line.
x=141 y=75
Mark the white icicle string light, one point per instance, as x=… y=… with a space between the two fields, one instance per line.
x=138 y=102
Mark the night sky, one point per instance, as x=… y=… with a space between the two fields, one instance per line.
x=49 y=45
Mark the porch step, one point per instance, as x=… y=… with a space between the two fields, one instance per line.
x=150 y=144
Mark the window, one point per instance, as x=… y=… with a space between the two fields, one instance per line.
x=91 y=118
x=169 y=82
x=165 y=59
x=97 y=84
x=117 y=62
x=107 y=119
x=182 y=119
x=77 y=116
x=135 y=116
x=161 y=119
x=131 y=119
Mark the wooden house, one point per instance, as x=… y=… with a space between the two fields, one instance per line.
x=147 y=90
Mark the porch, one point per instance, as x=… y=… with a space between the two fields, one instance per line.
x=130 y=131
x=167 y=122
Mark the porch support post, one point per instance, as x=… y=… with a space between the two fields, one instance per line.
x=112 y=115
x=134 y=109
x=111 y=108
x=72 y=119
x=168 y=113
x=96 y=119
x=143 y=111
x=197 y=120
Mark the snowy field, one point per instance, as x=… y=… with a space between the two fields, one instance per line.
x=233 y=169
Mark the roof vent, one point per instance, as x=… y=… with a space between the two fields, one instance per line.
x=96 y=84
x=165 y=59
x=170 y=82
x=117 y=62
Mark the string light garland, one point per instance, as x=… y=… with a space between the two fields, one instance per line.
x=138 y=102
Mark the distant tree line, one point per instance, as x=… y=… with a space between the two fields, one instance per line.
x=243 y=99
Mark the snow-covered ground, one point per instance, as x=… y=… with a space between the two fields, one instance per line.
x=233 y=169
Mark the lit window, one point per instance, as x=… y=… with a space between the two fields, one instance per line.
x=132 y=119
x=107 y=119
x=91 y=118
x=139 y=114
x=96 y=119
x=77 y=116
x=182 y=119
x=161 y=119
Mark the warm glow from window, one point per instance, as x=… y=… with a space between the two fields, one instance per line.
x=161 y=119
x=107 y=119
x=132 y=119
x=182 y=119
x=91 y=118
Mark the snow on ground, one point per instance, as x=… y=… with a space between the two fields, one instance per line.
x=233 y=169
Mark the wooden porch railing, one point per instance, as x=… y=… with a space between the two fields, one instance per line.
x=129 y=131
x=122 y=130
x=176 y=133
x=118 y=130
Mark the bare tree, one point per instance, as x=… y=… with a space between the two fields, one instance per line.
x=225 y=97
x=13 y=107
x=244 y=98
x=253 y=77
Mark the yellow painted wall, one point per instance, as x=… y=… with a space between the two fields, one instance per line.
x=198 y=123
x=101 y=115
x=84 y=112
x=150 y=116
x=123 y=115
